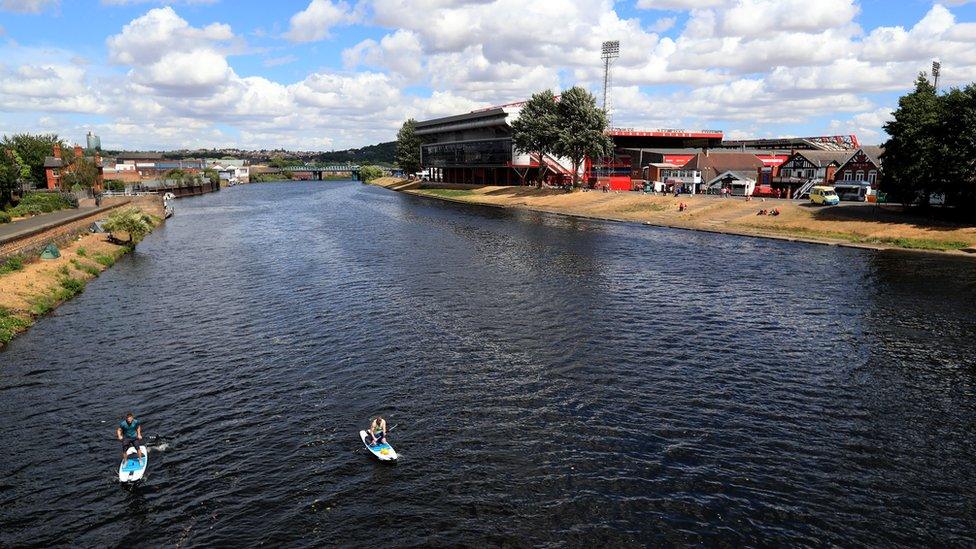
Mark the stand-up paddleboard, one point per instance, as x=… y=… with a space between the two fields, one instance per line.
x=133 y=468
x=384 y=451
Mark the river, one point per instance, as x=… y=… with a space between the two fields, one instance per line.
x=552 y=381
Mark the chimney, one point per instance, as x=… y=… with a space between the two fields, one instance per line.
x=57 y=150
x=78 y=151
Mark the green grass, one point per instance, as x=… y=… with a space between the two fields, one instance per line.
x=10 y=325
x=450 y=193
x=42 y=304
x=105 y=259
x=82 y=252
x=919 y=243
x=907 y=243
x=69 y=287
x=85 y=267
x=63 y=269
x=12 y=264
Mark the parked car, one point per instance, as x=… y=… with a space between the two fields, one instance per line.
x=825 y=196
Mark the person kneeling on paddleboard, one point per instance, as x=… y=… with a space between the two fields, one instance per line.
x=377 y=431
x=130 y=433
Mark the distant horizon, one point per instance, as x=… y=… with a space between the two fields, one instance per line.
x=325 y=76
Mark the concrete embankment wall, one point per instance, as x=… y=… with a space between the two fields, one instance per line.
x=32 y=242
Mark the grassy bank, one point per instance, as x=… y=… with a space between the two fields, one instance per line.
x=862 y=224
x=31 y=288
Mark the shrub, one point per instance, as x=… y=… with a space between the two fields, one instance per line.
x=105 y=259
x=70 y=287
x=63 y=270
x=114 y=185
x=12 y=264
x=82 y=252
x=42 y=304
x=369 y=173
x=10 y=324
x=4 y=217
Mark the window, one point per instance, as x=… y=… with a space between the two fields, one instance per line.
x=860 y=175
x=872 y=177
x=847 y=175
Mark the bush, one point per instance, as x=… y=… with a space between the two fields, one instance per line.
x=12 y=264
x=114 y=185
x=70 y=287
x=105 y=259
x=38 y=203
x=369 y=173
x=4 y=217
x=82 y=252
x=10 y=324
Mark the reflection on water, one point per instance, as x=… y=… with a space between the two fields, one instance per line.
x=553 y=380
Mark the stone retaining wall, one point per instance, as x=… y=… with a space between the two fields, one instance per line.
x=60 y=235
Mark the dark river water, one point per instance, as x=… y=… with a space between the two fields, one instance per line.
x=553 y=382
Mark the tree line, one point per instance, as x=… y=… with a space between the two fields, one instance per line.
x=932 y=147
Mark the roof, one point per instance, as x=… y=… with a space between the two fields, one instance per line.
x=497 y=111
x=735 y=174
x=52 y=162
x=874 y=152
x=662 y=151
x=725 y=161
x=139 y=156
x=822 y=159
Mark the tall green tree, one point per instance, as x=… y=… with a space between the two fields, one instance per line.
x=582 y=126
x=13 y=170
x=912 y=153
x=32 y=149
x=408 y=147
x=536 y=130
x=957 y=147
x=82 y=173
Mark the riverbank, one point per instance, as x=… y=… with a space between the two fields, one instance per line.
x=856 y=224
x=30 y=289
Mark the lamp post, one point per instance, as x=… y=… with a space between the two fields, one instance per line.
x=610 y=51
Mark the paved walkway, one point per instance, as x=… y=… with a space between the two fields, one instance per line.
x=39 y=223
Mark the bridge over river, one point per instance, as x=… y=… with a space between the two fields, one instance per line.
x=320 y=172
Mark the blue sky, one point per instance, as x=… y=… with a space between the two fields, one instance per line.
x=325 y=74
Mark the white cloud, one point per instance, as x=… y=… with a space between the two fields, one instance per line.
x=316 y=21
x=175 y=82
x=28 y=6
x=679 y=5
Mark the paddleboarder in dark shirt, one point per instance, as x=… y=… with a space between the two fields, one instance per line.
x=130 y=433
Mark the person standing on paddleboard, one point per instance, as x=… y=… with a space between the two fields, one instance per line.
x=377 y=431
x=130 y=433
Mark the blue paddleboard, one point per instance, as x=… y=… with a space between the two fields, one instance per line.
x=133 y=468
x=384 y=451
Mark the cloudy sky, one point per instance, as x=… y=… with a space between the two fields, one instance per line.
x=327 y=74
